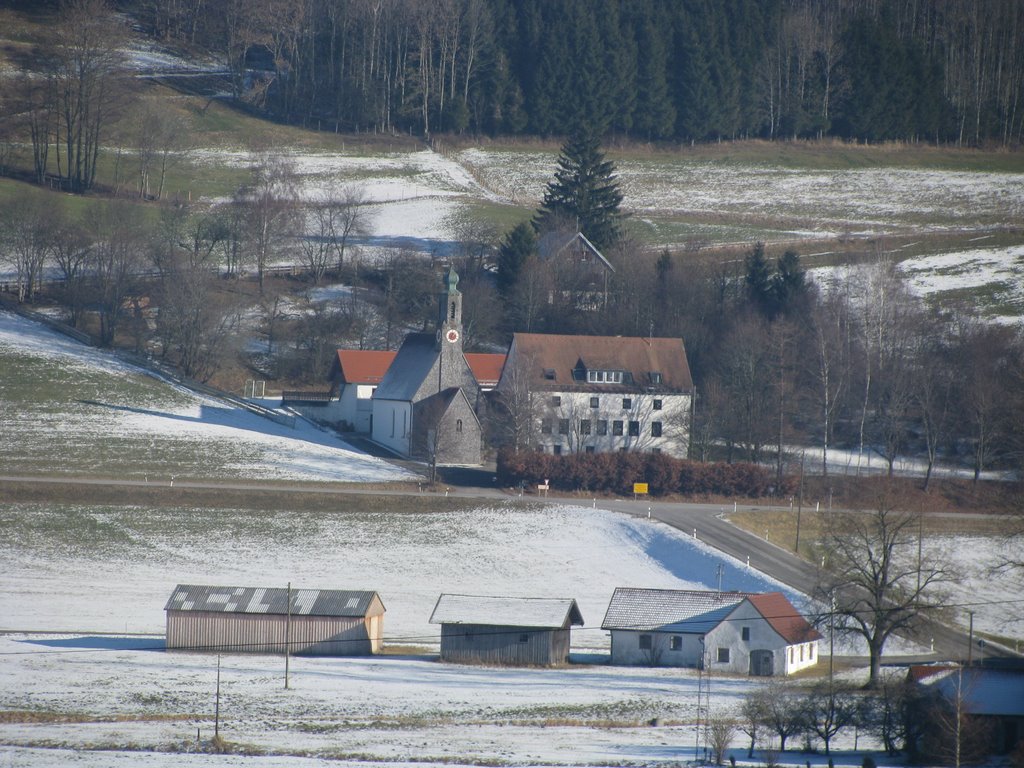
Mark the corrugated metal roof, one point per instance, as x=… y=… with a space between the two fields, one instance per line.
x=543 y=612
x=272 y=600
x=670 y=610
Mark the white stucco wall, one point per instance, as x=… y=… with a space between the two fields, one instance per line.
x=729 y=635
x=392 y=424
x=673 y=416
x=356 y=406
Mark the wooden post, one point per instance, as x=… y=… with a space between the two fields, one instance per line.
x=216 y=706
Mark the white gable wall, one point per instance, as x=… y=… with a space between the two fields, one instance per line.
x=392 y=425
x=356 y=406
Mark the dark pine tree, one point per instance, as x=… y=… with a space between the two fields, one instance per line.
x=519 y=245
x=584 y=192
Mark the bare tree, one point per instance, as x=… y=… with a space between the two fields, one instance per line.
x=268 y=208
x=516 y=407
x=159 y=137
x=783 y=711
x=877 y=577
x=333 y=223
x=720 y=736
x=115 y=261
x=753 y=717
x=85 y=69
x=830 y=707
x=26 y=239
x=71 y=254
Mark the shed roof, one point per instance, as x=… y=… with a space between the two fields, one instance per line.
x=540 y=612
x=364 y=366
x=559 y=355
x=274 y=600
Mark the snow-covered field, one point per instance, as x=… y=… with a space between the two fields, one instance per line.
x=69 y=408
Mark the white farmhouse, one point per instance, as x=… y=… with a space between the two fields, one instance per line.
x=598 y=394
x=734 y=632
x=354 y=378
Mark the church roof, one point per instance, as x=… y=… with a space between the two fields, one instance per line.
x=654 y=364
x=412 y=364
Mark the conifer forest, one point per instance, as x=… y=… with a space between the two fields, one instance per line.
x=947 y=71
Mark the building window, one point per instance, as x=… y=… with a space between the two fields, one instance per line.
x=811 y=656
x=675 y=643
x=656 y=405
x=589 y=449
x=458 y=425
x=524 y=638
x=655 y=429
x=634 y=429
x=801 y=653
x=602 y=427
x=556 y=401
x=617 y=428
x=645 y=642
x=563 y=426
x=655 y=377
x=745 y=633
x=791 y=655
x=595 y=402
x=723 y=655
x=557 y=449
x=545 y=426
x=584 y=426
x=549 y=374
x=627 y=403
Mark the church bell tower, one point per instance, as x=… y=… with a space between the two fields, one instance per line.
x=449 y=317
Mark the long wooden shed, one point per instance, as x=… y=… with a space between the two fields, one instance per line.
x=319 y=622
x=523 y=631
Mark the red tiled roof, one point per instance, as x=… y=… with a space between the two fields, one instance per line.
x=364 y=366
x=486 y=367
x=783 y=617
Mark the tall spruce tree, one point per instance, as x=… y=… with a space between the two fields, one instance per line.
x=584 y=191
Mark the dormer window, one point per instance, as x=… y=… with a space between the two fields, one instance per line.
x=549 y=374
x=655 y=377
x=605 y=377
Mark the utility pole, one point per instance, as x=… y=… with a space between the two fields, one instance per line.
x=216 y=706
x=970 y=640
x=287 y=635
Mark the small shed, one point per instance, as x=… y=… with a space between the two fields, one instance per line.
x=741 y=633
x=320 y=622
x=517 y=631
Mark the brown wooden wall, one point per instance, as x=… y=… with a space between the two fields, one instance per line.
x=495 y=644
x=265 y=633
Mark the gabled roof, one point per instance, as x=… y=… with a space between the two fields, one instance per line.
x=274 y=600
x=554 y=243
x=486 y=368
x=700 y=611
x=784 y=618
x=562 y=354
x=412 y=364
x=364 y=366
x=669 y=610
x=537 y=612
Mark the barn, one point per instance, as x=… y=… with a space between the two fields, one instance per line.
x=737 y=632
x=517 y=631
x=320 y=622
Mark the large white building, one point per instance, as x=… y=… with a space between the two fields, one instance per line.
x=597 y=394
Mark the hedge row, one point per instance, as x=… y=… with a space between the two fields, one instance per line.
x=616 y=473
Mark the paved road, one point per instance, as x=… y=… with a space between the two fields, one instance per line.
x=703 y=520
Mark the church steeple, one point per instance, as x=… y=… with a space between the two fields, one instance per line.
x=449 y=311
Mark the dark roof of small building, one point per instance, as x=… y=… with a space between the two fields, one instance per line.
x=554 y=243
x=274 y=600
x=551 y=359
x=364 y=366
x=536 y=612
x=699 y=611
x=411 y=365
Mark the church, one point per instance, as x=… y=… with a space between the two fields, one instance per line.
x=426 y=406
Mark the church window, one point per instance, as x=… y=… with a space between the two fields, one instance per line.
x=458 y=425
x=453 y=311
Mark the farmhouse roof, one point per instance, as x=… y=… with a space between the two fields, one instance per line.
x=700 y=611
x=540 y=612
x=364 y=366
x=554 y=243
x=992 y=692
x=274 y=600
x=486 y=368
x=412 y=364
x=655 y=364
